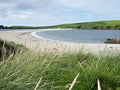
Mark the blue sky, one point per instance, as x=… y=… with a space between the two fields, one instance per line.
x=52 y=12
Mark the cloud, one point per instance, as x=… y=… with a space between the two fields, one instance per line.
x=24 y=4
x=49 y=12
x=4 y=1
x=21 y=9
x=95 y=6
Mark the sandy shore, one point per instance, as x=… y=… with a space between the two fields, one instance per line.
x=24 y=37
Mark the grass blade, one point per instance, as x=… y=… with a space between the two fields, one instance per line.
x=99 y=88
x=38 y=84
x=74 y=81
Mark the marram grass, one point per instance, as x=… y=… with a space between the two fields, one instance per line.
x=27 y=70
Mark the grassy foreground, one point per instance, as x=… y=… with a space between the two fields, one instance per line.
x=28 y=70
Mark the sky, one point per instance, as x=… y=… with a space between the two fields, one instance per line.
x=53 y=12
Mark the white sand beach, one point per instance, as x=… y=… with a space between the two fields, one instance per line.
x=24 y=37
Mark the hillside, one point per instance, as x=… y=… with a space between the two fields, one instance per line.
x=98 y=25
x=113 y=25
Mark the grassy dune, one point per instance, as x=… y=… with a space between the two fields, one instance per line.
x=28 y=70
x=8 y=48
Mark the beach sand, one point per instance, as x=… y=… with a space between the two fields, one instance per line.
x=24 y=37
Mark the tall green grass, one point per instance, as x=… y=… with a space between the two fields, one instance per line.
x=8 y=48
x=28 y=70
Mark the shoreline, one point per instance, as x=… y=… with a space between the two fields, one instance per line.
x=25 y=37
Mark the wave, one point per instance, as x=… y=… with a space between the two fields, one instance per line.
x=37 y=36
x=34 y=34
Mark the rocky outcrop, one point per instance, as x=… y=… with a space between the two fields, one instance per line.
x=113 y=41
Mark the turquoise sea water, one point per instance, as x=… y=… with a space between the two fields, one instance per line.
x=83 y=36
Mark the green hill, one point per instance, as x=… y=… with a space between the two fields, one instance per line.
x=97 y=25
x=115 y=24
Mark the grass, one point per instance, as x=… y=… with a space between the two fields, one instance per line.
x=8 y=48
x=28 y=70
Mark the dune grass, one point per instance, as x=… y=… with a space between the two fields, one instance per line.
x=23 y=69
x=28 y=70
x=8 y=48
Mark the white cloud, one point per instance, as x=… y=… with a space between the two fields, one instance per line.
x=19 y=15
x=95 y=6
x=48 y=12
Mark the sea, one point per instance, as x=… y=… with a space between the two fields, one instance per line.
x=80 y=36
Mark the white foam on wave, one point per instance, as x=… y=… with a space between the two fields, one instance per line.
x=36 y=36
